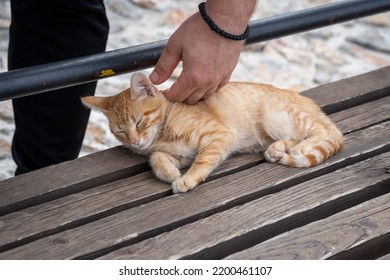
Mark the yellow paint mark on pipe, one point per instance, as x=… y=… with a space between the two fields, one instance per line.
x=106 y=73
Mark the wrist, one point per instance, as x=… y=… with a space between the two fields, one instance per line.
x=213 y=26
x=231 y=15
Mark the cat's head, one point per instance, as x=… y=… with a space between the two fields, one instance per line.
x=135 y=115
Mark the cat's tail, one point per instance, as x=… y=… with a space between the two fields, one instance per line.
x=323 y=141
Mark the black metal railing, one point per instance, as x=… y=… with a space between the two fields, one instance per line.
x=46 y=77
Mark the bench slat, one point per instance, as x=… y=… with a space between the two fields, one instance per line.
x=363 y=115
x=341 y=233
x=68 y=177
x=169 y=212
x=71 y=177
x=259 y=220
x=80 y=208
x=342 y=94
x=95 y=203
x=72 y=213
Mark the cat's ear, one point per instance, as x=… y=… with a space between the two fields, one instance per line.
x=100 y=103
x=141 y=87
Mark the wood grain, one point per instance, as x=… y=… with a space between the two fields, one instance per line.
x=363 y=116
x=110 y=200
x=68 y=177
x=79 y=208
x=118 y=163
x=216 y=236
x=92 y=204
x=326 y=238
x=342 y=94
x=170 y=212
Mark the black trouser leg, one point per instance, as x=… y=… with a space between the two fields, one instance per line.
x=50 y=127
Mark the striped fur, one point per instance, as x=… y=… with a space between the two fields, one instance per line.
x=240 y=118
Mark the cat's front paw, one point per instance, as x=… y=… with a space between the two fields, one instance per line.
x=183 y=184
x=169 y=174
x=165 y=167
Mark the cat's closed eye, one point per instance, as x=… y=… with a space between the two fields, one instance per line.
x=122 y=132
x=143 y=124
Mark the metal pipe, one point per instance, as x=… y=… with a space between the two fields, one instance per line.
x=66 y=73
x=46 y=77
x=309 y=19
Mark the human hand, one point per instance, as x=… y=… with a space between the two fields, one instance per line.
x=208 y=58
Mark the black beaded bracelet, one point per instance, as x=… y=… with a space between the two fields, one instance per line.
x=221 y=32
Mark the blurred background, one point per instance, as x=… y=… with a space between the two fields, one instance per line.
x=295 y=62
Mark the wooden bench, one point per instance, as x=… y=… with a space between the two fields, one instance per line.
x=109 y=205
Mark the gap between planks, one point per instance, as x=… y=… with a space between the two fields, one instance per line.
x=93 y=204
x=54 y=182
x=244 y=226
x=142 y=222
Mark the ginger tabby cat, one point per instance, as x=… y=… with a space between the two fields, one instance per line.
x=240 y=118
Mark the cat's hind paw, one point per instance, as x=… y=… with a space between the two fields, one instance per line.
x=275 y=152
x=183 y=184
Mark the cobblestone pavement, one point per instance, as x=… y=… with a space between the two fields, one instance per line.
x=297 y=62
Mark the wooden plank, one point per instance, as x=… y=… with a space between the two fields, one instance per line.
x=217 y=236
x=26 y=225
x=365 y=225
x=73 y=176
x=169 y=212
x=108 y=211
x=92 y=204
x=363 y=116
x=70 y=177
x=336 y=96
x=77 y=209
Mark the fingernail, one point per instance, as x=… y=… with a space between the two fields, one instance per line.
x=154 y=77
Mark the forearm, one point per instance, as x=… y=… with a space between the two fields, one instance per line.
x=231 y=15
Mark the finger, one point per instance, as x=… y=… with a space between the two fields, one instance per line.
x=178 y=91
x=167 y=63
x=208 y=93
x=181 y=89
x=213 y=90
x=195 y=96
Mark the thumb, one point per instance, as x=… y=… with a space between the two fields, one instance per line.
x=167 y=63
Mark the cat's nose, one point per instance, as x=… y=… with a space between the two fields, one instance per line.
x=135 y=142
